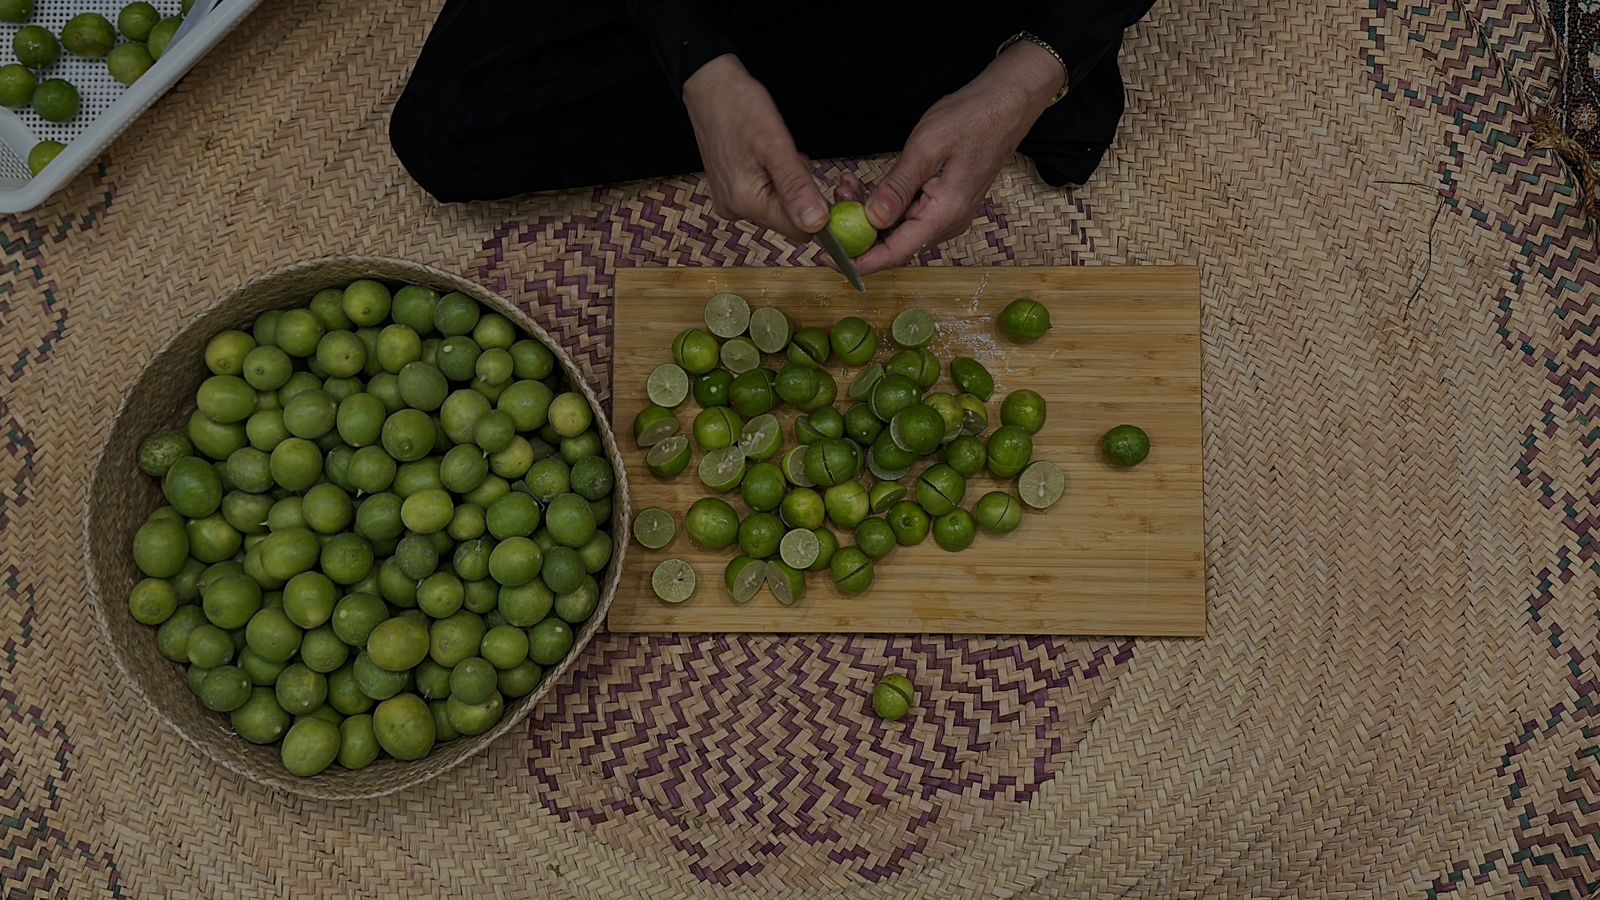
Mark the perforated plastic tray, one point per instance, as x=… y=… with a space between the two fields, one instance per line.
x=108 y=107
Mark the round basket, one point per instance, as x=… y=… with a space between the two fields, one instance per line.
x=122 y=496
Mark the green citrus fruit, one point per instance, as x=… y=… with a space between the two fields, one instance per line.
x=847 y=221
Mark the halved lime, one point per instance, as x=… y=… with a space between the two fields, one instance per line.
x=740 y=355
x=971 y=377
x=1041 y=484
x=667 y=386
x=861 y=387
x=949 y=409
x=918 y=429
x=794 y=467
x=810 y=346
x=854 y=340
x=891 y=394
x=673 y=581
x=921 y=367
x=744 y=577
x=761 y=437
x=653 y=425
x=727 y=315
x=669 y=457
x=787 y=582
x=974 y=414
x=654 y=528
x=799 y=548
x=885 y=494
x=888 y=462
x=913 y=328
x=770 y=329
x=721 y=470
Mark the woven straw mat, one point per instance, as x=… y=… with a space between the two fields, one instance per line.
x=1397 y=695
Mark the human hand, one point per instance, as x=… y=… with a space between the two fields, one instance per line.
x=951 y=158
x=755 y=171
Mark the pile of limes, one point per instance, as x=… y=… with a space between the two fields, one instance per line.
x=89 y=35
x=896 y=420
x=386 y=516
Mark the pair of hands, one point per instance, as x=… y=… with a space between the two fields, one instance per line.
x=930 y=195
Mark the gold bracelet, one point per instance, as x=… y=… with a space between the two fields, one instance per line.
x=1040 y=42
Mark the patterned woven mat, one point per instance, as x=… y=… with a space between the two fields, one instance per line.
x=1398 y=691
x=1577 y=22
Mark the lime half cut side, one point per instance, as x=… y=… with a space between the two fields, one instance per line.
x=654 y=528
x=913 y=328
x=1041 y=484
x=667 y=386
x=727 y=315
x=673 y=581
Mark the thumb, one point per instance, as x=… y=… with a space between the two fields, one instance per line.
x=797 y=192
x=894 y=193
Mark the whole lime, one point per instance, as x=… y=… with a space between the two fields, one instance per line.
x=847 y=221
x=1025 y=319
x=42 y=153
x=16 y=86
x=161 y=35
x=1125 y=445
x=893 y=697
x=127 y=62
x=88 y=34
x=56 y=100
x=404 y=726
x=35 y=47
x=135 y=20
x=16 y=11
x=310 y=746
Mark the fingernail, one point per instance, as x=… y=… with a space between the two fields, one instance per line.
x=813 y=218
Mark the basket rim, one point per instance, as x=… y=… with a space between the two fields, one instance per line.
x=325 y=785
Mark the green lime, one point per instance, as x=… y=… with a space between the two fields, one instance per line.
x=358 y=742
x=152 y=601
x=711 y=389
x=585 y=445
x=16 y=11
x=654 y=424
x=135 y=20
x=375 y=682
x=570 y=414
x=1010 y=449
x=494 y=432
x=310 y=414
x=885 y=494
x=247 y=513
x=913 y=328
x=515 y=561
x=287 y=553
x=423 y=386
x=918 y=429
x=717 y=428
x=172 y=637
x=548 y=478
x=341 y=353
x=1025 y=319
x=328 y=307
x=971 y=377
x=563 y=569
x=192 y=487
x=404 y=727
x=1024 y=408
x=847 y=221
x=788 y=584
x=515 y=514
x=525 y=604
x=592 y=478
x=670 y=457
x=344 y=691
x=412 y=306
x=759 y=534
x=468 y=523
x=260 y=720
x=456 y=313
x=432 y=680
x=893 y=697
x=531 y=360
x=514 y=460
x=854 y=341
x=695 y=352
x=867 y=379
x=668 y=385
x=751 y=393
x=570 y=520
x=722 y=470
x=909 y=522
x=861 y=426
x=494 y=366
x=35 y=47
x=727 y=315
x=920 y=367
x=128 y=62
x=159 y=451
x=366 y=302
x=549 y=641
x=408 y=435
x=494 y=332
x=770 y=329
x=847 y=504
x=950 y=410
x=474 y=679
x=954 y=530
x=455 y=638
x=761 y=437
x=875 y=537
x=427 y=511
x=744 y=577
x=830 y=461
x=265 y=429
x=460 y=413
x=261 y=671
x=826 y=422
x=322 y=651
x=763 y=487
x=974 y=414
x=298 y=382
x=800 y=548
x=712 y=523
x=740 y=355
x=458 y=358
x=212 y=539
x=794 y=466
x=266 y=368
x=470 y=561
x=16 y=86
x=359 y=420
x=504 y=646
x=966 y=455
x=308 y=601
x=398 y=347
x=852 y=570
x=397 y=644
x=654 y=528
x=797 y=383
x=265 y=329
x=346 y=558
x=1125 y=445
x=440 y=595
x=417 y=475
x=88 y=34
x=286 y=513
x=300 y=690
x=941 y=489
x=998 y=513
x=311 y=746
x=470 y=719
x=1040 y=485
x=299 y=332
x=378 y=516
x=891 y=394
x=225 y=399
x=827 y=545
x=811 y=347
x=214 y=439
x=802 y=508
x=296 y=464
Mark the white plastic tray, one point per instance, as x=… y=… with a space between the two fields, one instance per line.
x=108 y=107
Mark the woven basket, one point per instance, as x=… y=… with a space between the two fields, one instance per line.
x=122 y=497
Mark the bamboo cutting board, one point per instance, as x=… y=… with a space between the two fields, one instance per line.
x=1121 y=554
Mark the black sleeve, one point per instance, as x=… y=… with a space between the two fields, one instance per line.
x=685 y=34
x=1083 y=30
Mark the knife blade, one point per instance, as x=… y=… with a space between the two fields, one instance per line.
x=847 y=266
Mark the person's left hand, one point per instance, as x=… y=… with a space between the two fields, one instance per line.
x=951 y=158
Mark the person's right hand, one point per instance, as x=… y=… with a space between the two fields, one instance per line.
x=755 y=171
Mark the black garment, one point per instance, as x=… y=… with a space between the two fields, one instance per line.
x=510 y=96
